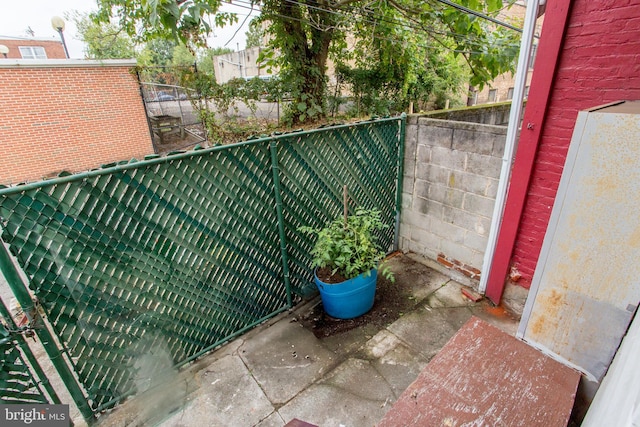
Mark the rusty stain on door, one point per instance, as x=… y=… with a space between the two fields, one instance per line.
x=586 y=286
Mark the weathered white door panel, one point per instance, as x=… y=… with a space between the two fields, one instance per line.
x=587 y=282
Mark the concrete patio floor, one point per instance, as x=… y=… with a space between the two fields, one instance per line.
x=280 y=371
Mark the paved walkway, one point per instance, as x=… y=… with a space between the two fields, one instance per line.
x=280 y=371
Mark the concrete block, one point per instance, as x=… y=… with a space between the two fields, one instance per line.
x=451 y=159
x=422 y=189
x=428 y=207
x=478 y=205
x=475 y=241
x=415 y=219
x=407 y=201
x=477 y=259
x=473 y=141
x=446 y=195
x=436 y=136
x=426 y=239
x=483 y=165
x=410 y=137
x=407 y=184
x=457 y=251
x=433 y=173
x=447 y=231
x=466 y=220
x=491 y=190
x=409 y=166
x=423 y=153
x=476 y=184
x=498 y=146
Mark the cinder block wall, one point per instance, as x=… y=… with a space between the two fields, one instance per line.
x=68 y=115
x=451 y=172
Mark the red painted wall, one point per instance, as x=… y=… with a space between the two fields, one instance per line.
x=71 y=118
x=599 y=63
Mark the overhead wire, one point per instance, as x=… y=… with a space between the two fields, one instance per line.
x=416 y=26
x=394 y=22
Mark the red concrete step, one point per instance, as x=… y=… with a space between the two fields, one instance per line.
x=485 y=377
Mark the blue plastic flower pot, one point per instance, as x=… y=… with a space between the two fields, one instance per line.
x=348 y=299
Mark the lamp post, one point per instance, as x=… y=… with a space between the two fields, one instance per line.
x=4 y=50
x=58 y=24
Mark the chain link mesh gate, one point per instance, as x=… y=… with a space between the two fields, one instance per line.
x=177 y=255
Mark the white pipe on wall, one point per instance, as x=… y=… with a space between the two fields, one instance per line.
x=515 y=115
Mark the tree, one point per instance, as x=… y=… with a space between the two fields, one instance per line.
x=390 y=36
x=102 y=40
x=305 y=33
x=181 y=20
x=254 y=35
x=205 y=58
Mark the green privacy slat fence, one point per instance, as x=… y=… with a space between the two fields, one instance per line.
x=173 y=256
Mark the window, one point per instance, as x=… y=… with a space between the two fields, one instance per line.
x=526 y=92
x=510 y=93
x=32 y=52
x=492 y=95
x=473 y=98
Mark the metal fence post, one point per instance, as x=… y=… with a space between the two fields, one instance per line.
x=401 y=135
x=283 y=237
x=33 y=362
x=24 y=299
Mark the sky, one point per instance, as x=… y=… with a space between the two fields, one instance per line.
x=17 y=16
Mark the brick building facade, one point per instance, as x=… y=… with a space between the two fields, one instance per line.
x=33 y=48
x=589 y=56
x=68 y=115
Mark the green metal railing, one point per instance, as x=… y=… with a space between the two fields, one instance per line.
x=22 y=380
x=176 y=255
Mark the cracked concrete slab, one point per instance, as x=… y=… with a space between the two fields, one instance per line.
x=227 y=396
x=285 y=359
x=280 y=371
x=396 y=362
x=449 y=295
x=426 y=330
x=354 y=394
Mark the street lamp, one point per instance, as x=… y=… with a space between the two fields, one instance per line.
x=58 y=24
x=4 y=50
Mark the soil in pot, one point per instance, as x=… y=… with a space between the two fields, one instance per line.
x=325 y=275
x=391 y=301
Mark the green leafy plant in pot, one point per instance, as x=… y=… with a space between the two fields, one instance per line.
x=346 y=258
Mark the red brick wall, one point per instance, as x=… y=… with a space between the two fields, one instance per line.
x=68 y=118
x=599 y=63
x=53 y=48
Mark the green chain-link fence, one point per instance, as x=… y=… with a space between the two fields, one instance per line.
x=179 y=254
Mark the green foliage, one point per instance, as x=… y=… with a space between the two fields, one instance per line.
x=221 y=122
x=206 y=57
x=182 y=56
x=398 y=51
x=254 y=35
x=157 y=52
x=350 y=248
x=185 y=21
x=102 y=40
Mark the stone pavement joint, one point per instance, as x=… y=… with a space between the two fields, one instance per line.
x=280 y=371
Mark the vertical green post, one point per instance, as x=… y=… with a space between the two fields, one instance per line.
x=399 y=180
x=24 y=299
x=33 y=362
x=283 y=237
